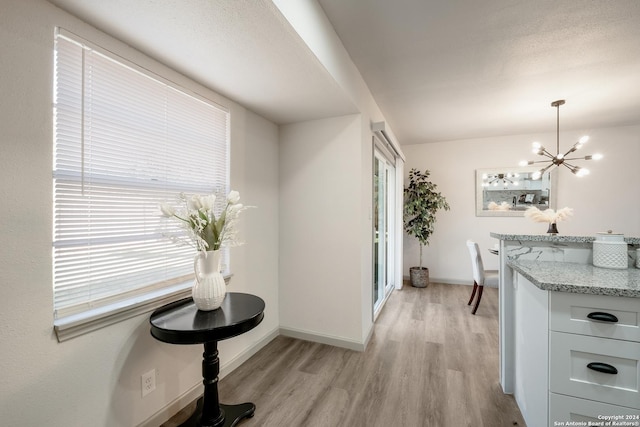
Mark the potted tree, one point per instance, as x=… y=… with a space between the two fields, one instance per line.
x=421 y=203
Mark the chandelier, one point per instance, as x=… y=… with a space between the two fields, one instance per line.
x=559 y=158
x=496 y=179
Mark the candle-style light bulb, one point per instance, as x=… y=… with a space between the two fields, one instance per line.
x=581 y=172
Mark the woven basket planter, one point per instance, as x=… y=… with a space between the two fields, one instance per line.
x=419 y=277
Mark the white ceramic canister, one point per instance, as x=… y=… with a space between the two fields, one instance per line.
x=610 y=251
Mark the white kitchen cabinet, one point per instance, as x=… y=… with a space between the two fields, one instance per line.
x=588 y=329
x=599 y=369
x=531 y=352
x=563 y=409
x=562 y=356
x=620 y=317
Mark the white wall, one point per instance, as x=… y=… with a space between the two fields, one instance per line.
x=320 y=244
x=606 y=199
x=94 y=380
x=310 y=22
x=313 y=26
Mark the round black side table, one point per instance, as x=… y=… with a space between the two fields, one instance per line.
x=182 y=323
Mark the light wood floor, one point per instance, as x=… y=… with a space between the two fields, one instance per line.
x=429 y=363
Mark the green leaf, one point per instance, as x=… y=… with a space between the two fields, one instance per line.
x=421 y=203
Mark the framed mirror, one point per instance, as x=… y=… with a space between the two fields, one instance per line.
x=510 y=191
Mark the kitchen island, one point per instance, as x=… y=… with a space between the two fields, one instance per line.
x=565 y=327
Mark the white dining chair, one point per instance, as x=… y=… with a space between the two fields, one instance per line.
x=481 y=276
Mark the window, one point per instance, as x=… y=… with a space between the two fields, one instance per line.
x=124 y=141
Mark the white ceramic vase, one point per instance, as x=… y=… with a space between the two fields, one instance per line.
x=209 y=288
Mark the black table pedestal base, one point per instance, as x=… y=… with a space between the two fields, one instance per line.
x=232 y=414
x=181 y=322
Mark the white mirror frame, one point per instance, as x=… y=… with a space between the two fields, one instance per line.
x=480 y=191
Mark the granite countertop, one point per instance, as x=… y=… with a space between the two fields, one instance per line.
x=556 y=238
x=579 y=278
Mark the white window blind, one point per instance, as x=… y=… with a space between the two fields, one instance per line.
x=124 y=141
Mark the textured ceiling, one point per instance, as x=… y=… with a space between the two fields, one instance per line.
x=242 y=49
x=455 y=69
x=439 y=70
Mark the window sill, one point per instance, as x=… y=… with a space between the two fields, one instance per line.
x=88 y=321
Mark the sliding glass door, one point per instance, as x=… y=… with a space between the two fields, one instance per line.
x=383 y=228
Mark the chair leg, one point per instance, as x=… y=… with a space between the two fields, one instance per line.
x=475 y=308
x=473 y=292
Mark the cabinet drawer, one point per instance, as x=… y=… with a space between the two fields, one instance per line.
x=565 y=408
x=569 y=356
x=568 y=312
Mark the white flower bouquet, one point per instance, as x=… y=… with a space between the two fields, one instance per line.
x=504 y=206
x=549 y=215
x=205 y=231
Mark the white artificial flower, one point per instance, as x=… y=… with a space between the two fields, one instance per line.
x=504 y=206
x=548 y=215
x=236 y=208
x=208 y=202
x=194 y=203
x=205 y=230
x=564 y=214
x=167 y=210
x=233 y=197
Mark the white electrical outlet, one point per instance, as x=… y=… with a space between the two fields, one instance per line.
x=148 y=382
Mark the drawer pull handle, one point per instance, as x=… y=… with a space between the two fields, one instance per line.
x=605 y=368
x=603 y=317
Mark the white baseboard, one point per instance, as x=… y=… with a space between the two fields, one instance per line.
x=451 y=282
x=369 y=335
x=173 y=407
x=230 y=365
x=444 y=281
x=458 y=282
x=325 y=339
